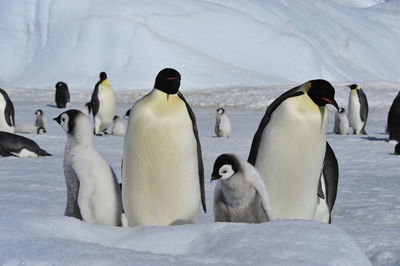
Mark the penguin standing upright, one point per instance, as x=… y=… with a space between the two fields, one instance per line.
x=162 y=170
x=118 y=128
x=393 y=121
x=93 y=190
x=341 y=122
x=240 y=195
x=103 y=105
x=289 y=146
x=62 y=95
x=222 y=124
x=7 y=119
x=41 y=121
x=358 y=109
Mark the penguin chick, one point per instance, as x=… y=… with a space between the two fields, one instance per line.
x=118 y=128
x=341 y=122
x=127 y=114
x=91 y=182
x=240 y=194
x=40 y=120
x=222 y=124
x=26 y=128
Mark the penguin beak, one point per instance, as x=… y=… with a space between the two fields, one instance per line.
x=214 y=177
x=333 y=102
x=57 y=119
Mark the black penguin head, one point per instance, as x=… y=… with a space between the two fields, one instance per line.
x=128 y=113
x=220 y=110
x=397 y=149
x=322 y=92
x=168 y=80
x=103 y=76
x=342 y=110
x=225 y=166
x=41 y=130
x=115 y=117
x=39 y=112
x=61 y=84
x=353 y=86
x=67 y=120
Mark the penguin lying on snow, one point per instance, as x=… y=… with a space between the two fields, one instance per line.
x=393 y=121
x=289 y=146
x=358 y=109
x=162 y=171
x=222 y=124
x=20 y=146
x=26 y=128
x=62 y=97
x=240 y=195
x=341 y=122
x=93 y=190
x=7 y=118
x=118 y=128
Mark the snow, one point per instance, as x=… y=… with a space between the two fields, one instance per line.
x=213 y=43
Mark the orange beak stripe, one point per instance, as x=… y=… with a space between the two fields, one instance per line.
x=327 y=100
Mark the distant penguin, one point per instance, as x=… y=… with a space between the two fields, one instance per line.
x=128 y=113
x=62 y=95
x=41 y=121
x=26 y=128
x=87 y=109
x=397 y=149
x=327 y=187
x=289 y=146
x=162 y=171
x=20 y=146
x=358 y=109
x=7 y=120
x=91 y=182
x=222 y=124
x=103 y=105
x=118 y=128
x=341 y=122
x=393 y=121
x=240 y=195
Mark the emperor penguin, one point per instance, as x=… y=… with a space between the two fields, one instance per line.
x=62 y=95
x=289 y=146
x=222 y=124
x=358 y=109
x=162 y=170
x=118 y=128
x=327 y=187
x=93 y=190
x=19 y=146
x=397 y=149
x=393 y=121
x=240 y=195
x=341 y=122
x=7 y=119
x=87 y=109
x=26 y=128
x=103 y=104
x=41 y=121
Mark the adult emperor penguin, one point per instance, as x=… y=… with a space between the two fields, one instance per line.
x=93 y=190
x=40 y=121
x=20 y=146
x=103 y=104
x=393 y=122
x=62 y=95
x=358 y=109
x=87 y=109
x=118 y=128
x=288 y=148
x=222 y=124
x=162 y=171
x=240 y=195
x=7 y=120
x=327 y=187
x=341 y=122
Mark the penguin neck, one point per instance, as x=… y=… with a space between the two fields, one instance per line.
x=236 y=191
x=161 y=93
x=82 y=135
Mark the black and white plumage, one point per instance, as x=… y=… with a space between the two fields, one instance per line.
x=93 y=190
x=127 y=113
x=7 y=118
x=20 y=146
x=222 y=124
x=41 y=121
x=358 y=109
x=162 y=170
x=118 y=128
x=289 y=146
x=327 y=187
x=397 y=149
x=26 y=128
x=102 y=104
x=240 y=195
x=62 y=95
x=341 y=122
x=87 y=109
x=393 y=121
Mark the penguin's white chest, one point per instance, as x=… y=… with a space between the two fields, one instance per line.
x=354 y=112
x=290 y=157
x=3 y=123
x=160 y=166
x=107 y=106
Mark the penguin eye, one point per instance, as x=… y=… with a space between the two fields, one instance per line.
x=63 y=119
x=224 y=172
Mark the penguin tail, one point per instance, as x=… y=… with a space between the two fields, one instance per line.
x=44 y=153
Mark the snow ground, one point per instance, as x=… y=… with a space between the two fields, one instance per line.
x=366 y=216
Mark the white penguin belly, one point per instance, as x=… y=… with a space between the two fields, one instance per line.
x=354 y=112
x=290 y=157
x=24 y=153
x=160 y=166
x=106 y=110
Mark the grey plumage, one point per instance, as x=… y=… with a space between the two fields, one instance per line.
x=341 y=122
x=222 y=124
x=41 y=120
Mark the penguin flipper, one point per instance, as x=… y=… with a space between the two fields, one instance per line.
x=320 y=192
x=9 y=113
x=363 y=108
x=331 y=176
x=94 y=102
x=199 y=155
x=271 y=108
